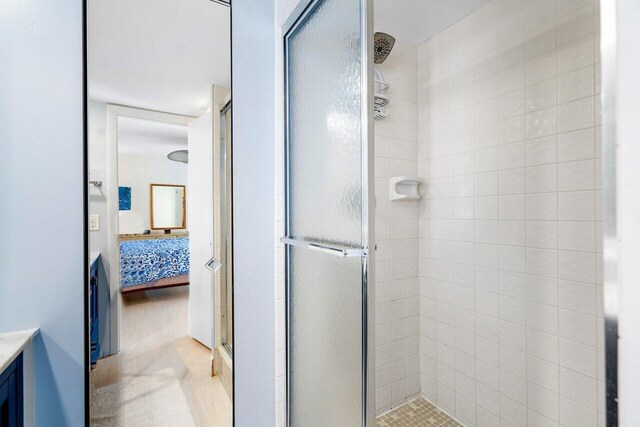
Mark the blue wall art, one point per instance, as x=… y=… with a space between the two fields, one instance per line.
x=124 y=198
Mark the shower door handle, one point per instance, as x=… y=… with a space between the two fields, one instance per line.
x=325 y=248
x=213 y=264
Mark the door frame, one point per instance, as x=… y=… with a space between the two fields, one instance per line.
x=303 y=9
x=114 y=111
x=225 y=243
x=252 y=30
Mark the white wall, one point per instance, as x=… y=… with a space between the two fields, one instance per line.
x=42 y=260
x=97 y=121
x=99 y=239
x=510 y=228
x=138 y=172
x=627 y=108
x=254 y=124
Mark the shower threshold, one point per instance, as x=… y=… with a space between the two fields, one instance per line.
x=417 y=413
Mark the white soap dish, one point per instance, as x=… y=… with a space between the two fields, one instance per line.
x=404 y=188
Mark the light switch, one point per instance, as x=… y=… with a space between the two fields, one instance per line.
x=94 y=222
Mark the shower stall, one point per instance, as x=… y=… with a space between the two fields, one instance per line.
x=478 y=188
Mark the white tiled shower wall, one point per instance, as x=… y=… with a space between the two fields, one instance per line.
x=509 y=231
x=397 y=289
x=510 y=227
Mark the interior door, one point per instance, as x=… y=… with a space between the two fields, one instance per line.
x=200 y=226
x=329 y=215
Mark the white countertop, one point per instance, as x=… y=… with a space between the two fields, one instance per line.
x=12 y=344
x=93 y=256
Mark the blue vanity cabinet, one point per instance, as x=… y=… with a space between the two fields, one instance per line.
x=11 y=395
x=94 y=330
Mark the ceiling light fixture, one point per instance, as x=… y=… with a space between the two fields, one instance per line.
x=179 y=156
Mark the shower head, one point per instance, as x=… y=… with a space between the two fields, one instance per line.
x=382 y=45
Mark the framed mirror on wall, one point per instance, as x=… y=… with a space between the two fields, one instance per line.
x=168 y=207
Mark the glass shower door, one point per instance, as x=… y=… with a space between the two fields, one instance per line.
x=328 y=217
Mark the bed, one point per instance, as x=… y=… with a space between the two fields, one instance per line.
x=153 y=262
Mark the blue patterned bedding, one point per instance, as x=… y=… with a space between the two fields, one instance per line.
x=145 y=260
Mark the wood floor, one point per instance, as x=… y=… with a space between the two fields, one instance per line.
x=154 y=337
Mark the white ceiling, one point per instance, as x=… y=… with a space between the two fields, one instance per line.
x=158 y=54
x=148 y=138
x=416 y=21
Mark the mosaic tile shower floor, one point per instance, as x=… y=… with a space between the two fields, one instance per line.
x=417 y=413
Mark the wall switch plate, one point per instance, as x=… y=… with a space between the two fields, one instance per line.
x=94 y=222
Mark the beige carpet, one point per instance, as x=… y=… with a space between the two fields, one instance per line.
x=153 y=400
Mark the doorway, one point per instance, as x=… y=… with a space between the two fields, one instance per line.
x=157 y=232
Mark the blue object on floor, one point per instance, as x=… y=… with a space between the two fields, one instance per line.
x=94 y=331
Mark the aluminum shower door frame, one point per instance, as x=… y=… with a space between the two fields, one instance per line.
x=301 y=12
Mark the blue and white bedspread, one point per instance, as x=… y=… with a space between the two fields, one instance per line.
x=145 y=260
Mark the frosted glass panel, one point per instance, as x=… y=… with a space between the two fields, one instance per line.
x=326 y=340
x=324 y=87
x=325 y=125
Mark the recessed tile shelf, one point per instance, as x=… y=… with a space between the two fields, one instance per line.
x=404 y=188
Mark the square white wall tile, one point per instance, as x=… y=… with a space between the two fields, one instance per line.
x=398 y=229
x=510 y=223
